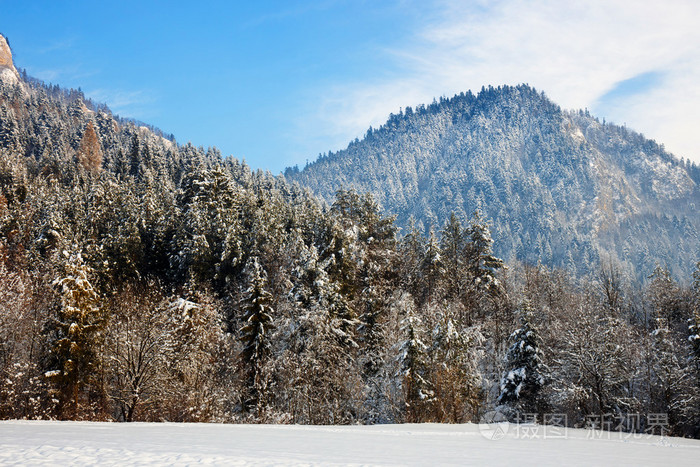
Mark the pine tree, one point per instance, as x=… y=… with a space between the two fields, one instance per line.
x=376 y=240
x=453 y=243
x=523 y=378
x=482 y=264
x=320 y=347
x=418 y=391
x=258 y=323
x=10 y=134
x=410 y=252
x=77 y=340
x=206 y=239
x=432 y=268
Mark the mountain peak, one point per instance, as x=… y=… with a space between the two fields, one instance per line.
x=8 y=72
x=560 y=187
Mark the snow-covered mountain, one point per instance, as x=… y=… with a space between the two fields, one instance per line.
x=559 y=187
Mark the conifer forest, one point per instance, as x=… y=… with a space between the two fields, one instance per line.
x=146 y=280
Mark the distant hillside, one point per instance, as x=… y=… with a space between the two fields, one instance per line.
x=559 y=187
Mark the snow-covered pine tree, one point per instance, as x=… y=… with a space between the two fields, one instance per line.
x=524 y=372
x=10 y=134
x=76 y=341
x=482 y=263
x=453 y=243
x=256 y=307
x=210 y=213
x=116 y=247
x=410 y=252
x=432 y=268
x=318 y=360
x=373 y=238
x=481 y=283
x=413 y=360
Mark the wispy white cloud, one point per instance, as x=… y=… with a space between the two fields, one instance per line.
x=48 y=75
x=71 y=73
x=575 y=51
x=131 y=104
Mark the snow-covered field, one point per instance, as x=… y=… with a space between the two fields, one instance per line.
x=80 y=443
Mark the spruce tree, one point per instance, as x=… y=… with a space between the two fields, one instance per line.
x=523 y=376
x=453 y=244
x=418 y=391
x=410 y=251
x=432 y=268
x=319 y=356
x=76 y=339
x=482 y=263
x=257 y=324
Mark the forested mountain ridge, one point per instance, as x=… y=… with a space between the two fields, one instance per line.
x=559 y=187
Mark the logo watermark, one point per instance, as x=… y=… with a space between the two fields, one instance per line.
x=495 y=425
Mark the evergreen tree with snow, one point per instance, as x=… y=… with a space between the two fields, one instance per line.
x=453 y=243
x=418 y=391
x=432 y=267
x=76 y=340
x=257 y=320
x=410 y=250
x=482 y=263
x=319 y=353
x=523 y=376
x=203 y=240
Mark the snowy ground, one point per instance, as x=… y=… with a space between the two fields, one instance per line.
x=80 y=443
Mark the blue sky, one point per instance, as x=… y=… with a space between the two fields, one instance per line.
x=278 y=82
